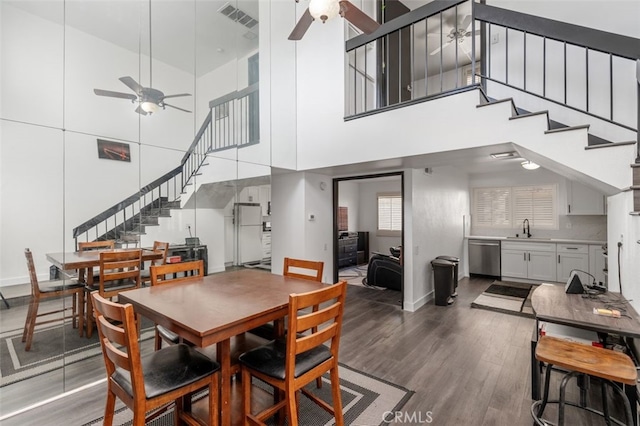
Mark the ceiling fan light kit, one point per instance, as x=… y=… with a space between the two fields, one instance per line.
x=327 y=9
x=149 y=100
x=324 y=9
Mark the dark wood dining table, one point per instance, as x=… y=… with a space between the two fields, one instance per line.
x=67 y=261
x=213 y=309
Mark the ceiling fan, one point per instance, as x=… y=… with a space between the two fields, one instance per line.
x=149 y=100
x=458 y=34
x=327 y=9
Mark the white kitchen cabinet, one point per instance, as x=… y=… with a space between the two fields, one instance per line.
x=582 y=200
x=597 y=263
x=570 y=257
x=527 y=260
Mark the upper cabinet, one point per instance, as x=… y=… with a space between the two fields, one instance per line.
x=582 y=200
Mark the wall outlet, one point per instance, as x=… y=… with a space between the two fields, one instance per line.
x=325 y=246
x=622 y=238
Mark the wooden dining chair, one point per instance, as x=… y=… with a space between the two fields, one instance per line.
x=161 y=248
x=294 y=268
x=50 y=290
x=291 y=364
x=119 y=271
x=88 y=246
x=173 y=273
x=150 y=383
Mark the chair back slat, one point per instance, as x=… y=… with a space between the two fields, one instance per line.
x=120 y=265
x=96 y=245
x=305 y=343
x=161 y=274
x=119 y=338
x=303 y=269
x=33 y=276
x=324 y=324
x=314 y=319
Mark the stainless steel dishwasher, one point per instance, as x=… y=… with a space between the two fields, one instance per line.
x=484 y=257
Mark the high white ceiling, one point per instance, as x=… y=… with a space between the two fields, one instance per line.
x=188 y=34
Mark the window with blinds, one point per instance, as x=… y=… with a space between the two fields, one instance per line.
x=508 y=207
x=389 y=214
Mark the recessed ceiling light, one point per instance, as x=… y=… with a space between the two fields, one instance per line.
x=529 y=165
x=509 y=154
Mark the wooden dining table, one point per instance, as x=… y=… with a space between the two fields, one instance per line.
x=67 y=261
x=211 y=310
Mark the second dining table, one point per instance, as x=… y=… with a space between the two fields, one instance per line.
x=213 y=309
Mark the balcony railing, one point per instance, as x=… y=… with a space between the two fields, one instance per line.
x=447 y=46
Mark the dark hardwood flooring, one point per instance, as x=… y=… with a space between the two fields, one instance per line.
x=467 y=366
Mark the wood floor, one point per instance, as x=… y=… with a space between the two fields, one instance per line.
x=467 y=366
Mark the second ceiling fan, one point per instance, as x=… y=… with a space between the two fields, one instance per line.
x=327 y=9
x=149 y=100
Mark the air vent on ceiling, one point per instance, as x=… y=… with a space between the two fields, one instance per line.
x=237 y=15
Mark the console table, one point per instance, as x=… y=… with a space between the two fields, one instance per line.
x=551 y=304
x=190 y=252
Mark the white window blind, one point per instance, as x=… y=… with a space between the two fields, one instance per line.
x=492 y=207
x=536 y=203
x=508 y=207
x=390 y=213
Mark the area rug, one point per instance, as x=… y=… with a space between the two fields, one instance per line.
x=365 y=401
x=353 y=275
x=507 y=297
x=52 y=348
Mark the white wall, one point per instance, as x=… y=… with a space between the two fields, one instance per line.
x=438 y=204
x=294 y=196
x=624 y=228
x=368 y=213
x=349 y=197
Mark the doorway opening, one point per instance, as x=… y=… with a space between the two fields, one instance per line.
x=368 y=222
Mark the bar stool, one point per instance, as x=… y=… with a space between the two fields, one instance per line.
x=583 y=360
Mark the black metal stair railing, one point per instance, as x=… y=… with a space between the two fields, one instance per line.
x=402 y=62
x=232 y=122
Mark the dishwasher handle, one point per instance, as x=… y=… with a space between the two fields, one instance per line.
x=484 y=243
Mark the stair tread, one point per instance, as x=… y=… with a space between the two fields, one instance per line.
x=565 y=129
x=499 y=101
x=529 y=114
x=609 y=145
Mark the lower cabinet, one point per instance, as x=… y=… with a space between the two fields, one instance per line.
x=570 y=257
x=535 y=261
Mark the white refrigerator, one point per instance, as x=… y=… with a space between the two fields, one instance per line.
x=248 y=218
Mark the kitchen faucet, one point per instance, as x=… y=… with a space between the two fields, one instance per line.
x=525 y=228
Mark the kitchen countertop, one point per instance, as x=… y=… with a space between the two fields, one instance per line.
x=536 y=240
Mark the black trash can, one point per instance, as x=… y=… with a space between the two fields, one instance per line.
x=54 y=273
x=443 y=271
x=455 y=261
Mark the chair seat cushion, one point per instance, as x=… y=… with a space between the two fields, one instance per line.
x=53 y=286
x=168 y=369
x=269 y=359
x=167 y=335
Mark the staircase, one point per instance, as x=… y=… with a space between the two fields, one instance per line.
x=126 y=221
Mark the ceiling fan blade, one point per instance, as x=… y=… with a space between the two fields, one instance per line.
x=109 y=93
x=175 y=96
x=164 y=104
x=141 y=111
x=132 y=84
x=439 y=48
x=302 y=26
x=358 y=18
x=466 y=22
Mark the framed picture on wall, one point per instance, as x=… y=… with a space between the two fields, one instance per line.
x=111 y=150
